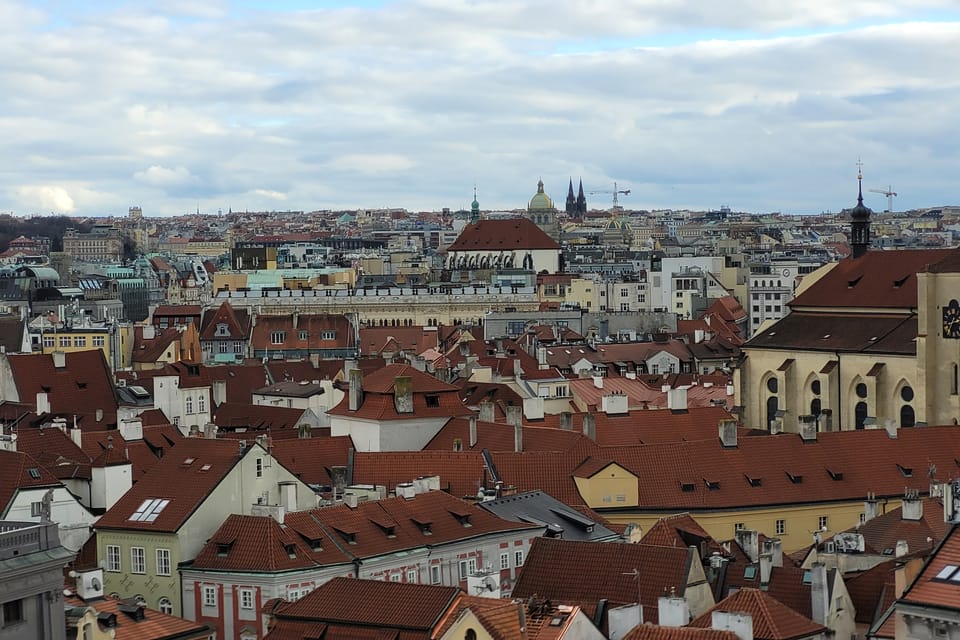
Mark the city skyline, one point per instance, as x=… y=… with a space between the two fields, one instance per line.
x=342 y=105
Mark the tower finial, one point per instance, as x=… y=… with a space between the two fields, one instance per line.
x=859 y=181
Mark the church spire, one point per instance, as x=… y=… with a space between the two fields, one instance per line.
x=474 y=208
x=571 y=201
x=581 y=202
x=860 y=219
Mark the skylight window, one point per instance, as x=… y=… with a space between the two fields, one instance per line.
x=34 y=473
x=149 y=510
x=946 y=572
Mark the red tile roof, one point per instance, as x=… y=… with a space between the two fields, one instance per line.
x=503 y=235
x=154 y=625
x=881 y=534
x=237 y=321
x=927 y=589
x=20 y=471
x=80 y=388
x=314 y=325
x=500 y=437
x=180 y=478
x=259 y=544
x=414 y=609
x=771 y=619
x=256 y=417
x=378 y=400
x=872 y=591
x=413 y=340
x=55 y=450
x=311 y=459
x=585 y=572
x=656 y=632
x=878 y=279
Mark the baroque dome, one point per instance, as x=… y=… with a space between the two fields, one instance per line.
x=540 y=201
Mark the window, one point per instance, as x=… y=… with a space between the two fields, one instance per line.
x=163 y=562
x=64 y=341
x=189 y=404
x=435 y=574
x=504 y=560
x=278 y=337
x=113 y=558
x=36 y=509
x=739 y=526
x=48 y=341
x=303 y=335
x=413 y=576
x=781 y=527
x=80 y=341
x=138 y=560
x=201 y=403
x=328 y=335
x=471 y=566
x=906 y=394
x=624 y=306
x=463 y=570
x=12 y=612
x=246 y=598
x=166 y=606
x=772 y=385
x=98 y=341
x=209 y=596
x=223 y=346
x=395 y=577
x=822 y=523
x=238 y=347
x=259 y=467
x=518 y=559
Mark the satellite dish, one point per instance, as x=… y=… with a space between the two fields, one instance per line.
x=490 y=584
x=95 y=584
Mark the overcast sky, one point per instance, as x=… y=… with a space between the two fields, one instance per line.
x=759 y=105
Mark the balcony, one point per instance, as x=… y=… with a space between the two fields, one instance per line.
x=22 y=538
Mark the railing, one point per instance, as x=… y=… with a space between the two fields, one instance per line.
x=22 y=538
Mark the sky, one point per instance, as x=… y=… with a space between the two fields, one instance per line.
x=179 y=105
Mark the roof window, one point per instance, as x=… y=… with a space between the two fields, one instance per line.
x=149 y=509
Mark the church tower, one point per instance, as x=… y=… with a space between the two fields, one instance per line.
x=571 y=201
x=860 y=221
x=474 y=208
x=581 y=202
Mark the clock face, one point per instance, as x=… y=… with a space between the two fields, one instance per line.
x=951 y=320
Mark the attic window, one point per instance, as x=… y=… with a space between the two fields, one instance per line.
x=188 y=461
x=223 y=549
x=291 y=550
x=906 y=471
x=713 y=485
x=149 y=509
x=899 y=283
x=34 y=473
x=753 y=481
x=795 y=478
x=852 y=283
x=433 y=401
x=45 y=389
x=348 y=536
x=426 y=528
x=81 y=384
x=807 y=576
x=205 y=468
x=463 y=519
x=950 y=573
x=316 y=544
x=687 y=486
x=750 y=572
x=834 y=474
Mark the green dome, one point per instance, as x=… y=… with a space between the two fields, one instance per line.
x=540 y=201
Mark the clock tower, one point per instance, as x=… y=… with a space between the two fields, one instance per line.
x=860 y=221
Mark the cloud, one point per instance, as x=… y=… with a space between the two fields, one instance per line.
x=45 y=198
x=411 y=103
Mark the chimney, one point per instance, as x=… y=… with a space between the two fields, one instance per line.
x=8 y=442
x=131 y=429
x=598 y=382
x=728 y=433
x=912 y=507
x=590 y=426
x=499 y=346
x=740 y=623
x=566 y=421
x=464 y=348
x=677 y=399
x=486 y=411
x=219 y=392
x=825 y=420
x=808 y=428
x=356 y=389
x=518 y=438
x=902 y=548
x=542 y=358
x=673 y=611
x=149 y=332
x=314 y=360
x=615 y=404
x=210 y=431
x=406 y=490
x=766 y=568
x=819 y=593
x=59 y=359
x=774 y=547
x=749 y=541
x=403 y=394
x=76 y=435
x=43 y=403
x=533 y=408
x=871 y=507
x=517 y=369
x=515 y=415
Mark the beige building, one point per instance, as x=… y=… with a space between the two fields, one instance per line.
x=872 y=341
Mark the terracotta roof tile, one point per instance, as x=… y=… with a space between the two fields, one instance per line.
x=314 y=325
x=927 y=588
x=311 y=459
x=83 y=386
x=585 y=572
x=154 y=625
x=20 y=471
x=772 y=620
x=502 y=235
x=256 y=417
x=236 y=320
x=656 y=632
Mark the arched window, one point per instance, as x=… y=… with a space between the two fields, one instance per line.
x=861 y=390
x=772 y=408
x=166 y=606
x=772 y=385
x=815 y=387
x=906 y=393
x=815 y=407
x=860 y=414
x=907 y=417
x=470 y=635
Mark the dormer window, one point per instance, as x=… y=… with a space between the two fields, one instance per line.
x=222 y=330
x=433 y=401
x=278 y=337
x=291 y=550
x=223 y=549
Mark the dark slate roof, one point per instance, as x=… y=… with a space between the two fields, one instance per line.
x=893 y=334
x=537 y=507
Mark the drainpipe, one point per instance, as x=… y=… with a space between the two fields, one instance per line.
x=839 y=391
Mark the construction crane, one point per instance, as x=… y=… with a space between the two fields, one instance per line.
x=616 y=195
x=890 y=193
